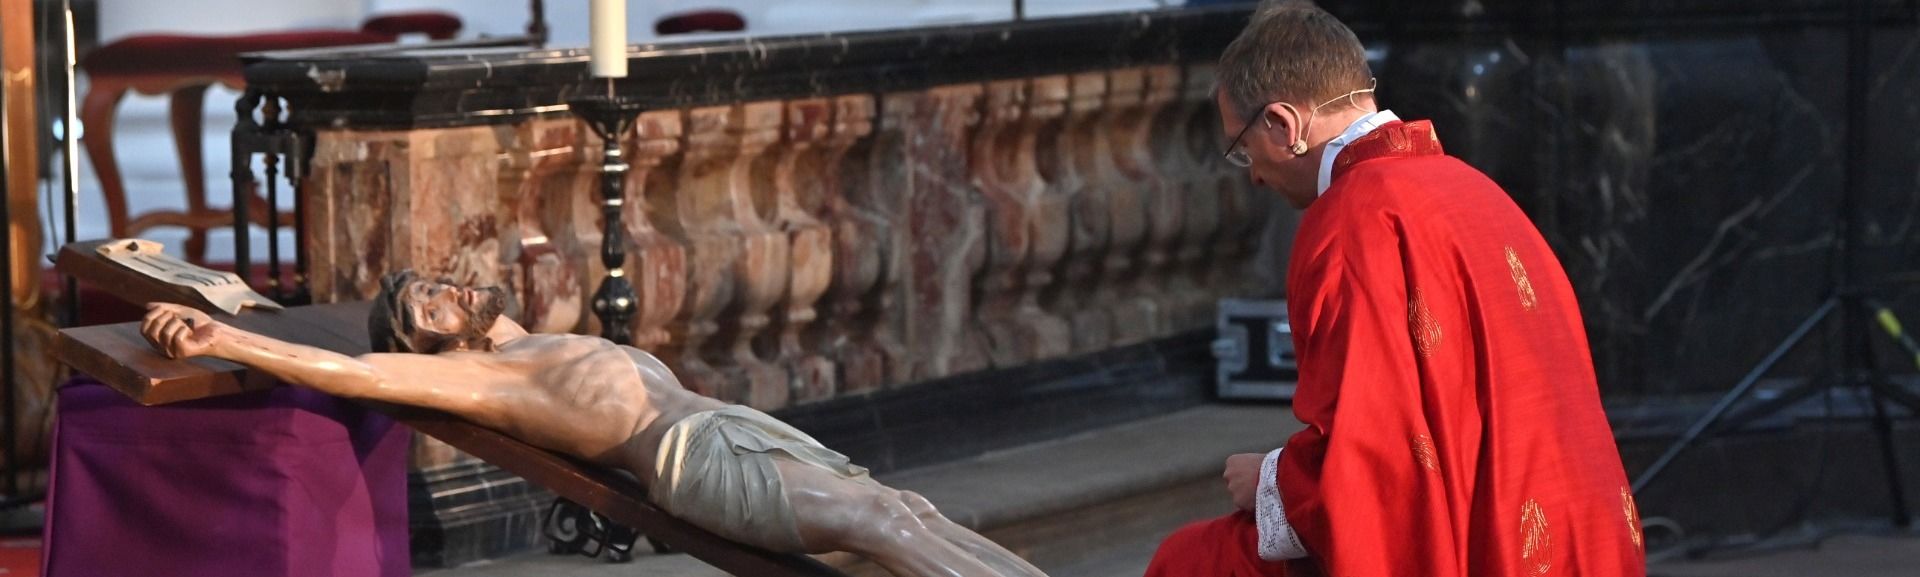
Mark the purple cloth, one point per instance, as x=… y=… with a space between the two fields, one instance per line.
x=285 y=481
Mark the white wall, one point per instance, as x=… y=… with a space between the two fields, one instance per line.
x=119 y=18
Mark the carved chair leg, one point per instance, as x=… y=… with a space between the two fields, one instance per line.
x=186 y=117
x=96 y=116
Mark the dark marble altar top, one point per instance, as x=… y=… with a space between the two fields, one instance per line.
x=413 y=86
x=416 y=87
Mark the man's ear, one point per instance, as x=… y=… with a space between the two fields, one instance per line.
x=1285 y=123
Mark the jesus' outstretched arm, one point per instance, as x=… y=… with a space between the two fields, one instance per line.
x=454 y=385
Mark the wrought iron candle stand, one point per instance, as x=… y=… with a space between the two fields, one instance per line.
x=571 y=528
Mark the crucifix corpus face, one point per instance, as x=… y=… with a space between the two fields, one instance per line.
x=438 y=316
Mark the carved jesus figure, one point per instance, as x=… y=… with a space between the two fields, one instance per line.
x=727 y=468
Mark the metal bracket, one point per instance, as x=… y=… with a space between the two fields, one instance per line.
x=1255 y=351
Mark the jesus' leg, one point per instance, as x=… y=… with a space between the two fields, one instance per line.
x=980 y=547
x=833 y=513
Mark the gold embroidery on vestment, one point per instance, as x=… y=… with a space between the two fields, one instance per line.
x=1633 y=517
x=1536 y=546
x=1424 y=453
x=1426 y=330
x=1527 y=299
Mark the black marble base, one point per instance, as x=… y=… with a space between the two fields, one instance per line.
x=474 y=511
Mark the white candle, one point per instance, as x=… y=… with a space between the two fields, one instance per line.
x=609 y=38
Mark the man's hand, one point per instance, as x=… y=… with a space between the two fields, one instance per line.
x=1243 y=478
x=181 y=332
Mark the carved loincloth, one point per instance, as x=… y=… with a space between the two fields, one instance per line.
x=716 y=470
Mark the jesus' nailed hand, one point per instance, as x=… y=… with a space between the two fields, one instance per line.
x=727 y=468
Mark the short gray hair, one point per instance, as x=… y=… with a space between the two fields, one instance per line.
x=1292 y=51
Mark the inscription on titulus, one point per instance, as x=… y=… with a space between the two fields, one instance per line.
x=224 y=290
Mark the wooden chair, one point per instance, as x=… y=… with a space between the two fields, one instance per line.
x=183 y=67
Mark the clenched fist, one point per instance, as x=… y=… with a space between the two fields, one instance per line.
x=1243 y=478
x=181 y=332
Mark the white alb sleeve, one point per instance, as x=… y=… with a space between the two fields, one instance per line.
x=1278 y=541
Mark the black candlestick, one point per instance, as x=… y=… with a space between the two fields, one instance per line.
x=611 y=117
x=537 y=25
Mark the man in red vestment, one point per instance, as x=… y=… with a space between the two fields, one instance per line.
x=1453 y=425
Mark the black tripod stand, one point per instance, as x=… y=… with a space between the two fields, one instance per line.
x=1859 y=369
x=1851 y=303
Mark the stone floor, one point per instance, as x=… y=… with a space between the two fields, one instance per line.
x=1845 y=555
x=1842 y=555
x=1028 y=498
x=1091 y=505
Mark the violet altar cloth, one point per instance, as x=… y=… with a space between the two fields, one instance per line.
x=282 y=481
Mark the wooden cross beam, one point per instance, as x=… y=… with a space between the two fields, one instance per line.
x=118 y=356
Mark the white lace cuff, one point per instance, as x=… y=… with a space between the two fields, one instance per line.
x=1278 y=541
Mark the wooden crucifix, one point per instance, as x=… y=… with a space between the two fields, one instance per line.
x=120 y=357
x=731 y=483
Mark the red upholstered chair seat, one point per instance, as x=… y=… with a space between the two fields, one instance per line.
x=700 y=21
x=436 y=25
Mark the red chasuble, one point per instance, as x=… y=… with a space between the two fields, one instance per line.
x=1454 y=426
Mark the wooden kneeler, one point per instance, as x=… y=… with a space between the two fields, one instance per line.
x=118 y=356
